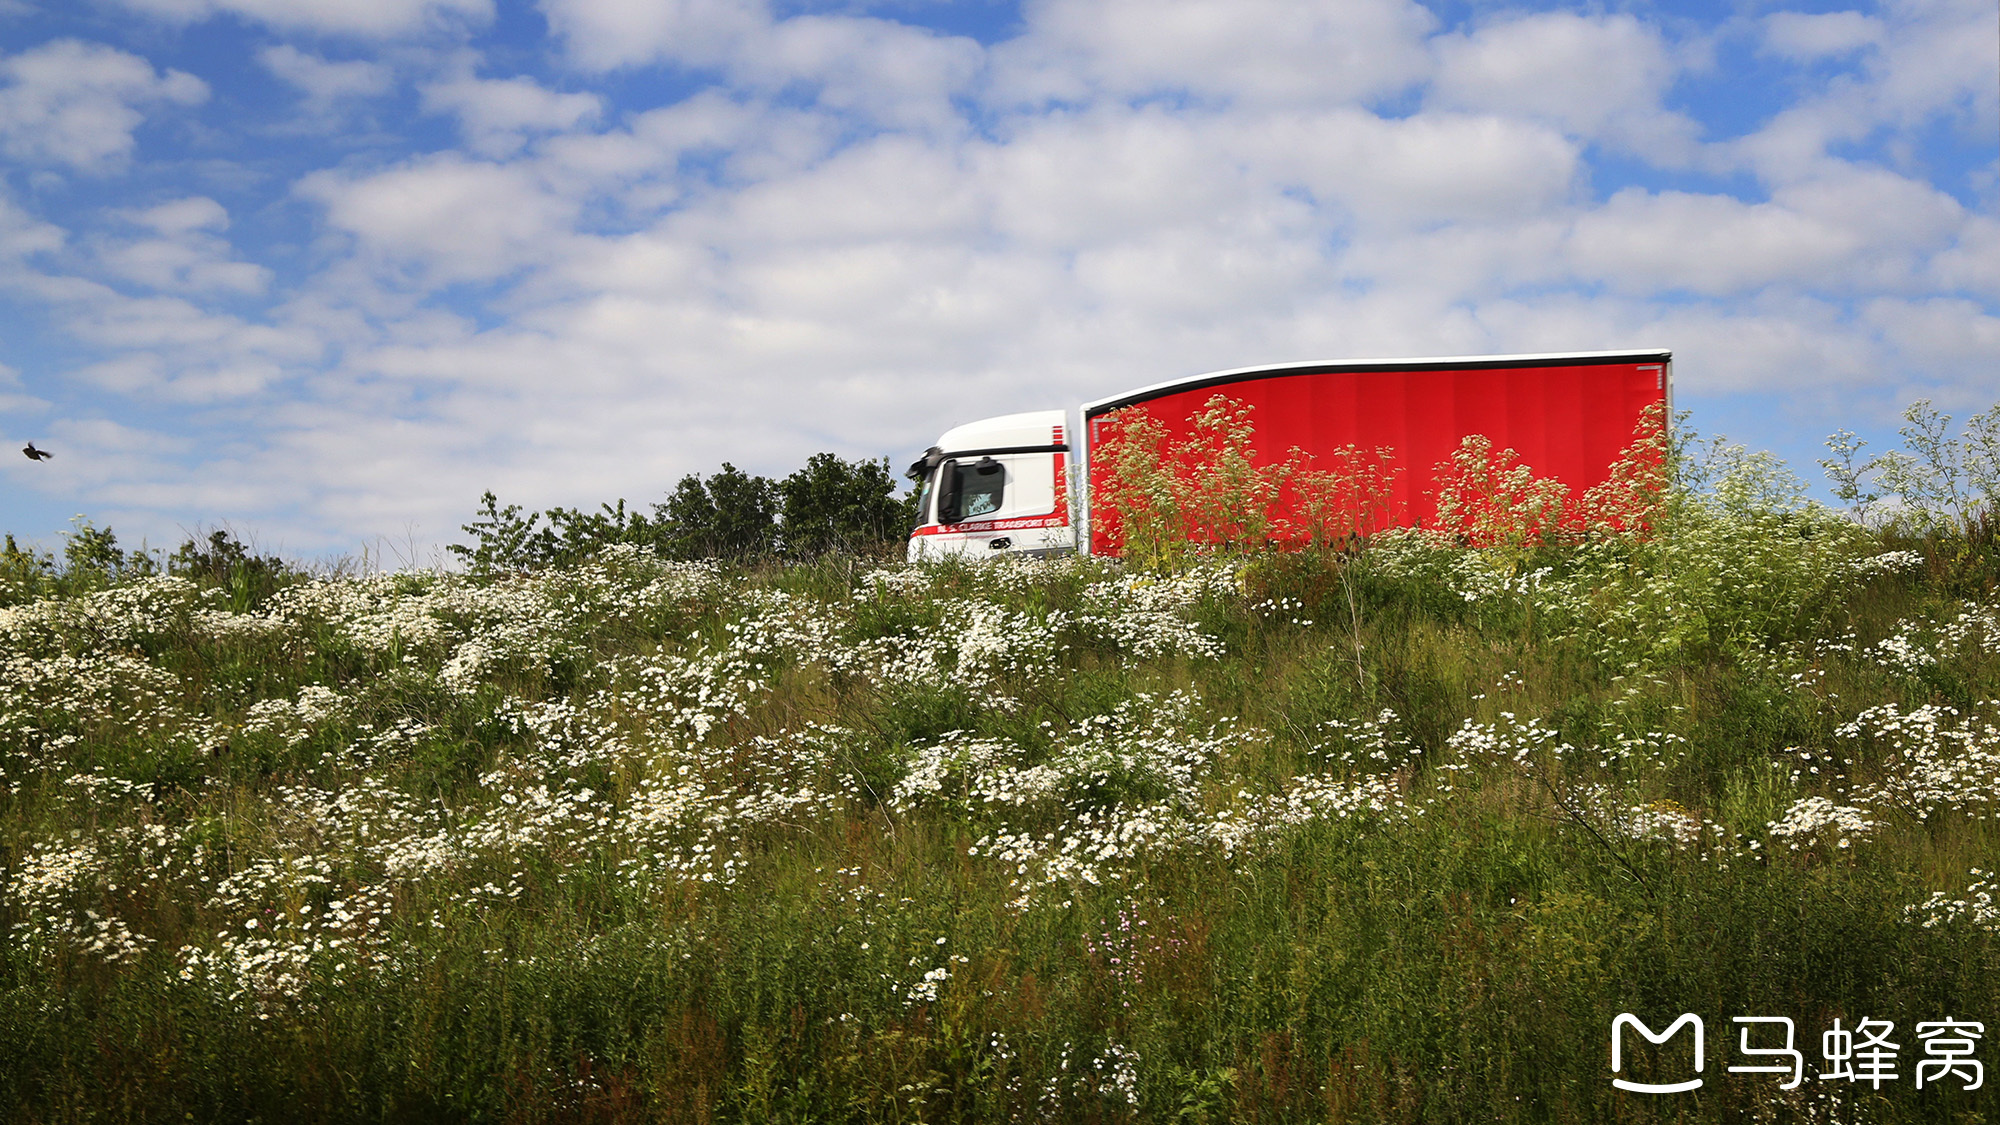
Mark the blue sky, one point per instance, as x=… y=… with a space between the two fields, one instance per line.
x=324 y=270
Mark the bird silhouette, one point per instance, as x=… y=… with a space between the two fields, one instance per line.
x=34 y=454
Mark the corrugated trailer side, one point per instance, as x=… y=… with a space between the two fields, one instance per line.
x=1568 y=416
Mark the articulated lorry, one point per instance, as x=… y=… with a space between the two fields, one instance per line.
x=1021 y=483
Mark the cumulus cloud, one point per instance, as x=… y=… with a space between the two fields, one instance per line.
x=1927 y=62
x=883 y=71
x=1250 y=52
x=1708 y=244
x=76 y=104
x=1794 y=345
x=880 y=70
x=325 y=83
x=1597 y=77
x=186 y=253
x=1934 y=59
x=152 y=376
x=1865 y=229
x=452 y=218
x=339 y=17
x=1422 y=170
x=498 y=115
x=183 y=330
x=1952 y=337
x=1100 y=177
x=607 y=34
x=1972 y=263
x=12 y=398
x=1800 y=35
x=22 y=234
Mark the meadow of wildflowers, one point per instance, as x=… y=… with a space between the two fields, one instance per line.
x=1386 y=834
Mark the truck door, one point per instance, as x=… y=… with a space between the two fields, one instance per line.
x=993 y=504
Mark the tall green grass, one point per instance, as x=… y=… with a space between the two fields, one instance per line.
x=1457 y=954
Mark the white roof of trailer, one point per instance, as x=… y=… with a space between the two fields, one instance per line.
x=1407 y=363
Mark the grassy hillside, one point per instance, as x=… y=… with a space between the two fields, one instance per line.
x=1388 y=835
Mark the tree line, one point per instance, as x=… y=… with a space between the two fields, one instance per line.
x=92 y=560
x=830 y=505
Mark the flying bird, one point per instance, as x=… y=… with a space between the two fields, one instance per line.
x=34 y=454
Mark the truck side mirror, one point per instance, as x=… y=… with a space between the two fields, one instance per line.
x=922 y=467
x=947 y=503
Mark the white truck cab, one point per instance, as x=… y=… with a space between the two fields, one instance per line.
x=999 y=485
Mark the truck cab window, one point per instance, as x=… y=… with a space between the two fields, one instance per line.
x=981 y=487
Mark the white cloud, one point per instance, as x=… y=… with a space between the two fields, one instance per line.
x=1466 y=262
x=184 y=331
x=12 y=398
x=1801 y=346
x=1250 y=52
x=1931 y=60
x=182 y=216
x=1220 y=274
x=1866 y=228
x=1892 y=213
x=1972 y=263
x=1953 y=339
x=72 y=103
x=1641 y=242
x=1424 y=170
x=121 y=459
x=1599 y=77
x=326 y=83
x=1937 y=60
x=498 y=115
x=21 y=234
x=338 y=17
x=22 y=404
x=891 y=188
x=150 y=376
x=636 y=167
x=1799 y=35
x=452 y=218
x=607 y=34
x=887 y=72
x=187 y=256
x=1091 y=179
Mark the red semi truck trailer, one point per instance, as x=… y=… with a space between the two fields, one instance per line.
x=1017 y=483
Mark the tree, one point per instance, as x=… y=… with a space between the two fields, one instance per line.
x=1945 y=485
x=225 y=562
x=830 y=505
x=24 y=572
x=574 y=534
x=837 y=505
x=92 y=549
x=730 y=516
x=503 y=540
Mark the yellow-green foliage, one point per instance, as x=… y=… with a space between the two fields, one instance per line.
x=1207 y=495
